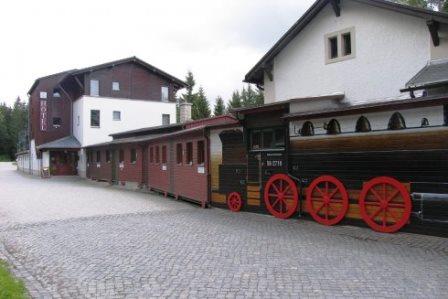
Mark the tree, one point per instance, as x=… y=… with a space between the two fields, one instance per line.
x=439 y=5
x=201 y=107
x=219 y=107
x=235 y=102
x=19 y=124
x=189 y=95
x=251 y=97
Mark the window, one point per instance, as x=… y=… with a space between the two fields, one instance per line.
x=107 y=156
x=164 y=92
x=157 y=154
x=121 y=156
x=179 y=153
x=164 y=154
x=307 y=129
x=396 y=122
x=333 y=127
x=94 y=88
x=346 y=44
x=116 y=115
x=43 y=95
x=201 y=152
x=267 y=139
x=340 y=45
x=116 y=86
x=424 y=122
x=78 y=120
x=165 y=119
x=98 y=156
x=56 y=93
x=333 y=46
x=363 y=125
x=151 y=155
x=133 y=156
x=94 y=118
x=57 y=122
x=189 y=154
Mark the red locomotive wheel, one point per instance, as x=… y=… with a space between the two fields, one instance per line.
x=281 y=196
x=327 y=200
x=234 y=202
x=385 y=204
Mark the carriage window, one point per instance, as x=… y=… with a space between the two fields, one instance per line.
x=189 y=153
x=133 y=156
x=151 y=155
x=121 y=156
x=425 y=122
x=179 y=153
x=307 y=129
x=157 y=154
x=396 y=122
x=256 y=140
x=279 y=138
x=268 y=138
x=164 y=154
x=107 y=156
x=201 y=152
x=98 y=156
x=333 y=127
x=363 y=125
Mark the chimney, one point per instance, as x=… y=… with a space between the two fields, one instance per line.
x=184 y=112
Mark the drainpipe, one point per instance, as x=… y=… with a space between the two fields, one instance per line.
x=207 y=161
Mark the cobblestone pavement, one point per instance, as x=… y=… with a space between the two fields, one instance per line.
x=163 y=248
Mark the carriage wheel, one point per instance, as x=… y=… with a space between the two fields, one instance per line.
x=385 y=204
x=281 y=196
x=327 y=200
x=234 y=202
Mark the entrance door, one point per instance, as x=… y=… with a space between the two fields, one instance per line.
x=145 y=165
x=63 y=162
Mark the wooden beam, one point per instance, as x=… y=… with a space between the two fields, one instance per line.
x=336 y=5
x=433 y=27
x=79 y=83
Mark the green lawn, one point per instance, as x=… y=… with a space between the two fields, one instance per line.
x=5 y=158
x=10 y=287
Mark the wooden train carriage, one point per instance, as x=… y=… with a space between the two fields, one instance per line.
x=384 y=164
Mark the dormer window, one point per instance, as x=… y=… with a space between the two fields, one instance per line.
x=340 y=45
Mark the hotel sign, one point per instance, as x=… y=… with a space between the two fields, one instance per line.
x=43 y=115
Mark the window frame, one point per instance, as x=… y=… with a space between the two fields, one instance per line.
x=164 y=158
x=169 y=119
x=189 y=153
x=341 y=51
x=162 y=93
x=151 y=154
x=179 y=153
x=99 y=118
x=56 y=125
x=115 y=86
x=98 y=156
x=274 y=145
x=200 y=152
x=113 y=115
x=121 y=156
x=133 y=156
x=157 y=154
x=97 y=94
x=108 y=156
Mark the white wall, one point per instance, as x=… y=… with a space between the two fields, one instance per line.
x=135 y=114
x=390 y=49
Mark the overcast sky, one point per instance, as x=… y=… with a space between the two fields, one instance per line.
x=219 y=40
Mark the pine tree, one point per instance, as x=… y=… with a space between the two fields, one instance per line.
x=201 y=107
x=235 y=102
x=18 y=125
x=189 y=95
x=219 y=107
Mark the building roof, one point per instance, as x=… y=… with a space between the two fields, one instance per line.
x=284 y=104
x=69 y=142
x=132 y=139
x=434 y=74
x=66 y=74
x=372 y=107
x=255 y=75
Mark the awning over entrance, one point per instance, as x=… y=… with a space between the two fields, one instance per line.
x=68 y=142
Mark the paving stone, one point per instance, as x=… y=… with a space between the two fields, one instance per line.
x=158 y=247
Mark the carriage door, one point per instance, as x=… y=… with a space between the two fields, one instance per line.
x=266 y=158
x=114 y=167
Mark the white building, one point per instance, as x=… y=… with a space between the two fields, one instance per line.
x=78 y=108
